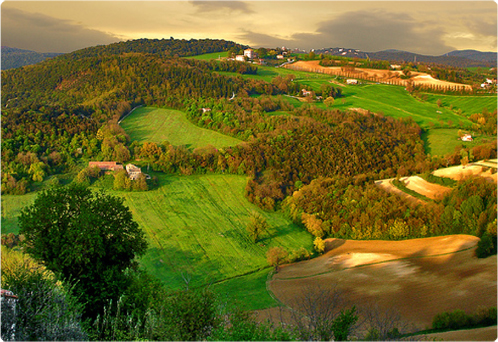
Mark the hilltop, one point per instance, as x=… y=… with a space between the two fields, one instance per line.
x=457 y=58
x=15 y=58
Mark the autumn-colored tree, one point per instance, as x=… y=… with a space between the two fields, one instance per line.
x=313 y=224
x=329 y=101
x=399 y=230
x=319 y=245
x=276 y=256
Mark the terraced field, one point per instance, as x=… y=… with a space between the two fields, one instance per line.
x=159 y=125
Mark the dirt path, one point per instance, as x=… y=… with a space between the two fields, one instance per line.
x=420 y=277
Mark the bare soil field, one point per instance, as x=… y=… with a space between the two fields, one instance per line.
x=436 y=191
x=461 y=172
x=423 y=187
x=419 y=278
x=388 y=186
x=418 y=78
x=480 y=334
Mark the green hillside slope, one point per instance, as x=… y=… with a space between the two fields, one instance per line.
x=159 y=125
x=196 y=227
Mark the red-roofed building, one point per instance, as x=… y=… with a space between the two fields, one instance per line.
x=106 y=166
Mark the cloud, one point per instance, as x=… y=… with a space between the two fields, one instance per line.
x=42 y=33
x=368 y=31
x=231 y=6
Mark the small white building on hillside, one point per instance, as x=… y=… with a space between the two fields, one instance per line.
x=249 y=53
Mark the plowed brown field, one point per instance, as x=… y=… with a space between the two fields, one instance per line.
x=419 y=277
x=461 y=172
x=423 y=187
x=418 y=78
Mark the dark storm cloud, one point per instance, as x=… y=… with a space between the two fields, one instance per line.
x=368 y=31
x=42 y=33
x=232 y=6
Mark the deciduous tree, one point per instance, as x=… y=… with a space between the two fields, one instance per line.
x=257 y=226
x=86 y=237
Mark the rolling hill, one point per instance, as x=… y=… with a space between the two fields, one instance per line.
x=15 y=58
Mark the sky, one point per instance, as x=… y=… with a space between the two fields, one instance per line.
x=425 y=27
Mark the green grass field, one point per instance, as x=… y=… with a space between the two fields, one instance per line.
x=209 y=56
x=11 y=207
x=159 y=125
x=196 y=226
x=443 y=141
x=468 y=104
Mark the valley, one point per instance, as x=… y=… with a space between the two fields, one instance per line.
x=373 y=194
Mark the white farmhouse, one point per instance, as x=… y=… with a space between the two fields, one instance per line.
x=249 y=53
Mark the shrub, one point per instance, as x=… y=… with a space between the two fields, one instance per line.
x=458 y=319
x=485 y=246
x=44 y=310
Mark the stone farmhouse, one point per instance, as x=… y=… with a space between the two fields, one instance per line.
x=467 y=137
x=133 y=171
x=111 y=166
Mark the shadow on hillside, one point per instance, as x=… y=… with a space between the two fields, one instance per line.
x=333 y=244
x=425 y=138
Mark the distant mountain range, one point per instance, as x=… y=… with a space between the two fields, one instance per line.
x=457 y=58
x=15 y=58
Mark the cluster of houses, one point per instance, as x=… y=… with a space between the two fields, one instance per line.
x=112 y=166
x=251 y=55
x=488 y=83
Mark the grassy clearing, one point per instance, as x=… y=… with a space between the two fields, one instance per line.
x=196 y=227
x=439 y=142
x=11 y=207
x=159 y=125
x=210 y=56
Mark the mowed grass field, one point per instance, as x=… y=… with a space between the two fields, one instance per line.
x=439 y=142
x=210 y=56
x=160 y=124
x=196 y=226
x=468 y=104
